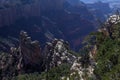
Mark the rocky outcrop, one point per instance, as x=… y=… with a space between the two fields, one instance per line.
x=58 y=53
x=7 y=66
x=29 y=49
x=108 y=28
x=26 y=58
x=29 y=58
x=113 y=19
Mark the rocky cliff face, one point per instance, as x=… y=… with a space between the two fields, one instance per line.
x=26 y=58
x=9 y=15
x=29 y=58
x=100 y=10
x=29 y=49
x=52 y=4
x=28 y=53
x=58 y=53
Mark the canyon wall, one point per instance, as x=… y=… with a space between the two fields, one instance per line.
x=9 y=15
x=52 y=4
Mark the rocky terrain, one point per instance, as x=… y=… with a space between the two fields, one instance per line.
x=29 y=58
x=57 y=61
x=57 y=29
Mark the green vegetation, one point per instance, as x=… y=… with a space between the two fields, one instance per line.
x=53 y=74
x=108 y=54
x=57 y=72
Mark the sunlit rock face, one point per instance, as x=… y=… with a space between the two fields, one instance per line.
x=113 y=19
x=57 y=53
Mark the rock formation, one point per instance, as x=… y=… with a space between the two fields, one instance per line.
x=29 y=58
x=29 y=49
x=58 y=53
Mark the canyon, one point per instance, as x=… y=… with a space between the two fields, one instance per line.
x=45 y=20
